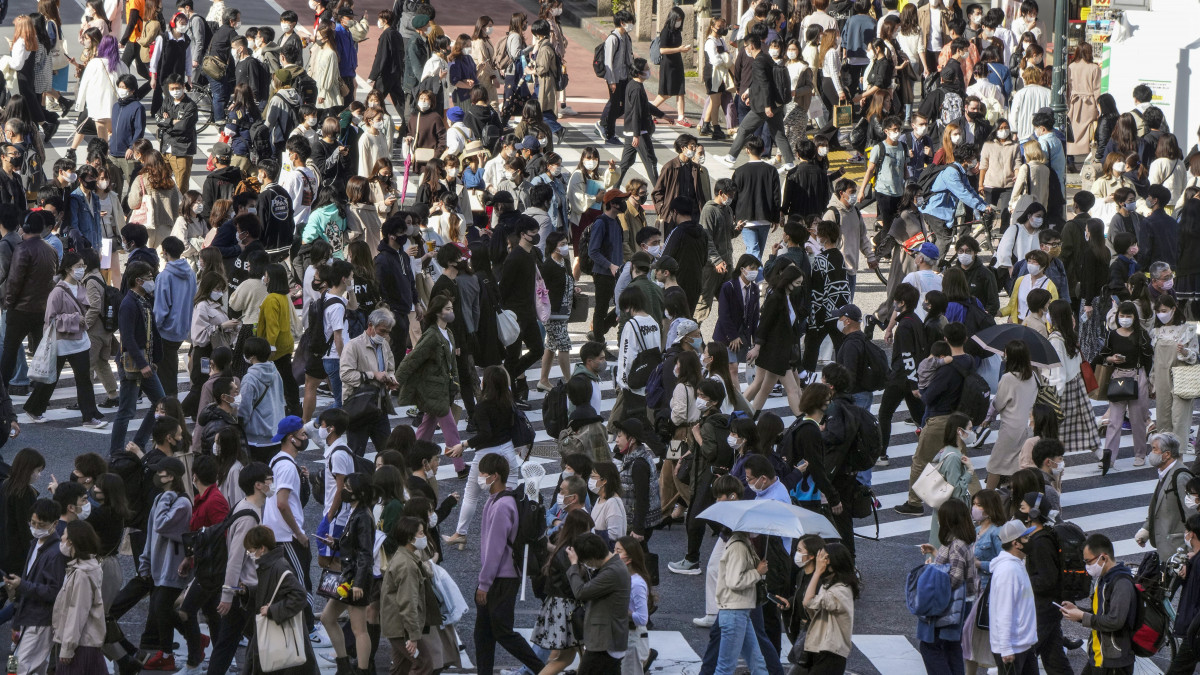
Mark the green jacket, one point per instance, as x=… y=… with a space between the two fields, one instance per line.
x=428 y=376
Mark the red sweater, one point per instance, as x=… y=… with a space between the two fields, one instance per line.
x=210 y=508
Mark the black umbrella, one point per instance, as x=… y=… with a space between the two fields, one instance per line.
x=995 y=338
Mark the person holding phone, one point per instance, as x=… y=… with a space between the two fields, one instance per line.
x=1130 y=354
x=829 y=601
x=1110 y=640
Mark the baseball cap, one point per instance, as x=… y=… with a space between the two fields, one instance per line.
x=1013 y=530
x=456 y=114
x=929 y=250
x=683 y=327
x=612 y=194
x=221 y=150
x=288 y=425
x=530 y=142
x=851 y=312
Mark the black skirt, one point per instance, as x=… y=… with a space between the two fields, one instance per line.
x=671 y=75
x=708 y=81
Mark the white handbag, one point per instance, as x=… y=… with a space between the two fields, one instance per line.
x=43 y=367
x=507 y=327
x=931 y=486
x=280 y=645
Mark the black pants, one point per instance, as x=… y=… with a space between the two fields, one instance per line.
x=225 y=643
x=531 y=339
x=163 y=620
x=854 y=74
x=753 y=122
x=81 y=365
x=399 y=339
x=466 y=380
x=773 y=625
x=291 y=389
x=494 y=624
x=1089 y=669
x=598 y=663
x=1024 y=663
x=826 y=663
x=843 y=522
x=190 y=403
x=130 y=57
x=1050 y=642
x=613 y=109
x=892 y=395
x=888 y=206
x=168 y=367
x=376 y=433
x=701 y=499
x=605 y=285
x=20 y=325
x=813 y=339
x=196 y=600
x=644 y=149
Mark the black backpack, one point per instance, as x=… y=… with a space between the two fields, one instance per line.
x=874 y=368
x=209 y=549
x=110 y=305
x=783 y=83
x=554 y=410
x=314 y=336
x=361 y=465
x=585 y=258
x=975 y=397
x=137 y=478
x=1075 y=583
x=867 y=447
x=306 y=87
x=928 y=175
x=261 y=146
x=643 y=364
x=530 y=534
x=598 y=59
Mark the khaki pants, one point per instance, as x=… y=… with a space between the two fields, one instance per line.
x=181 y=166
x=928 y=445
x=33 y=651
x=240 y=161
x=101 y=357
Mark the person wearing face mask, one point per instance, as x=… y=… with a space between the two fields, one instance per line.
x=608 y=513
x=367 y=358
x=1114 y=596
x=78 y=613
x=555 y=204
x=484 y=53
x=1175 y=344
x=1158 y=236
x=66 y=306
x=140 y=347
x=717 y=220
x=1014 y=625
x=355 y=548
x=605 y=248
x=1164 y=526
x=263 y=388
x=708 y=443
x=402 y=598
x=638 y=127
x=1128 y=351
x=681 y=176
x=279 y=595
x=41 y=575
x=766 y=102
x=670 y=69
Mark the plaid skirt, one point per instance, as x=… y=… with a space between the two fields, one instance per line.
x=1078 y=429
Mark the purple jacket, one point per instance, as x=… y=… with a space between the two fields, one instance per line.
x=734 y=318
x=495 y=549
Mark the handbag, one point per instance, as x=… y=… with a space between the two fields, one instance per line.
x=1123 y=386
x=44 y=365
x=1047 y=395
x=683 y=469
x=983 y=618
x=144 y=214
x=421 y=155
x=541 y=296
x=58 y=53
x=843 y=115
x=579 y=309
x=364 y=406
x=507 y=327
x=678 y=445
x=1185 y=381
x=931 y=486
x=1104 y=373
x=522 y=431
x=343 y=88
x=280 y=645
x=1089 y=378
x=214 y=68
x=328 y=585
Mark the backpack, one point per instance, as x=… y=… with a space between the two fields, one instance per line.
x=73 y=241
x=975 y=397
x=306 y=87
x=874 y=368
x=248 y=184
x=723 y=462
x=554 y=409
x=261 y=146
x=361 y=465
x=783 y=83
x=656 y=393
x=585 y=258
x=1150 y=622
x=490 y=135
x=314 y=336
x=503 y=60
x=209 y=549
x=1075 y=583
x=598 y=66
x=110 y=305
x=137 y=477
x=927 y=178
x=656 y=50
x=530 y=537
x=643 y=364
x=927 y=591
x=868 y=446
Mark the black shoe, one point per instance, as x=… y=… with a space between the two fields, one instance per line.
x=560 y=135
x=1072 y=643
x=71 y=154
x=110 y=402
x=127 y=665
x=649 y=660
x=706 y=129
x=471 y=428
x=1105 y=462
x=18 y=390
x=522 y=405
x=718 y=134
x=73 y=407
x=462 y=475
x=907 y=509
x=590 y=336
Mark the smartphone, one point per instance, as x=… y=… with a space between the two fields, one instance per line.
x=775 y=600
x=1057 y=605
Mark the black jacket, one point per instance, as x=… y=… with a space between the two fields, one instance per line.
x=332 y=167
x=177 y=130
x=688 y=245
x=1104 y=129
x=853 y=354
x=516 y=282
x=356 y=548
x=220 y=46
x=555 y=277
x=639 y=114
x=764 y=91
x=275 y=211
x=219 y=185
x=252 y=72
x=1044 y=568
x=393 y=269
x=909 y=347
x=290 y=601
x=387 y=71
x=945 y=389
x=15 y=511
x=805 y=191
x=840 y=432
x=476 y=117
x=40 y=586
x=982 y=283
x=757 y=196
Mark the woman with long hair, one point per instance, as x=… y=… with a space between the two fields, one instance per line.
x=952 y=136
x=803 y=80
x=685 y=413
x=956 y=535
x=1112 y=178
x=57 y=50
x=1130 y=353
x=1106 y=122
x=987 y=512
x=670 y=69
x=829 y=601
x=356 y=549
x=78 y=616
x=552 y=630
x=23 y=59
x=384 y=193
x=211 y=328
x=65 y=310
x=717 y=366
x=108 y=517
x=829 y=59
x=998 y=163
x=156 y=183
x=1078 y=429
x=365 y=223
x=324 y=69
x=1168 y=169
x=1091 y=268
x=241 y=114
x=1083 y=86
x=743 y=440
x=912 y=43
x=430 y=381
x=1124 y=139
x=953 y=463
x=717 y=61
x=1175 y=344
x=366 y=287
x=327 y=221
x=773 y=356
x=560 y=283
x=1034 y=176
x=190 y=227
x=18 y=492
x=484 y=53
x=639 y=656
x=1012 y=404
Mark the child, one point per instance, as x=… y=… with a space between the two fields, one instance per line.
x=939 y=355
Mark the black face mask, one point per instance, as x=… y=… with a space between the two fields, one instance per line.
x=976 y=116
x=722 y=32
x=88 y=184
x=17 y=161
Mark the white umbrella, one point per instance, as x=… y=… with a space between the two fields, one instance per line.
x=770 y=517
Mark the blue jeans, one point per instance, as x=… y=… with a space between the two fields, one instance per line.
x=128 y=406
x=851 y=279
x=551 y=120
x=543 y=654
x=942 y=657
x=755 y=238
x=863 y=399
x=21 y=374
x=770 y=655
x=738 y=639
x=220 y=90
x=333 y=371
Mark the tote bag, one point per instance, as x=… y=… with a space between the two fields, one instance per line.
x=280 y=645
x=44 y=366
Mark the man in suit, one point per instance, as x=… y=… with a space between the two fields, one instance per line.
x=606 y=620
x=766 y=107
x=1164 y=521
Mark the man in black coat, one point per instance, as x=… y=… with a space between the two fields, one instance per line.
x=974 y=124
x=221 y=47
x=766 y=106
x=416 y=53
x=688 y=245
x=397 y=287
x=387 y=72
x=517 y=294
x=251 y=72
x=639 y=124
x=756 y=203
x=806 y=187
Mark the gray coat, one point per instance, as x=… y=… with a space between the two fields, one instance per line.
x=717 y=221
x=169 y=520
x=606 y=623
x=1167 y=512
x=261 y=384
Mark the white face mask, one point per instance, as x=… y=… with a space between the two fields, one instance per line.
x=323 y=434
x=655 y=250
x=773 y=52
x=1118 y=167
x=67 y=550
x=433 y=519
x=1189 y=501
x=1034 y=269
x=285 y=27
x=40 y=533
x=1125 y=321
x=380 y=25
x=841 y=325
x=822 y=151
x=423 y=105
x=965 y=259
x=420 y=543
x=1036 y=221
x=956 y=138
x=591 y=164
x=564 y=250
x=893 y=136
x=1165 y=317
x=733 y=441
x=701 y=404
x=593 y=485
x=270 y=491
x=689 y=153
x=487 y=31
x=557 y=11
x=102 y=184
x=793 y=55
x=198 y=208
x=176 y=94
x=1003 y=134
x=86 y=511
x=216 y=295
x=800 y=559
x=310 y=121
x=919 y=131
x=483 y=483
x=122 y=92
x=78 y=273
x=1095 y=569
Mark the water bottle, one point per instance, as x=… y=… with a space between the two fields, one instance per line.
x=12 y=665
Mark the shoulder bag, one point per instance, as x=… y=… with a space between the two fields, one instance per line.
x=420 y=154
x=931 y=486
x=280 y=645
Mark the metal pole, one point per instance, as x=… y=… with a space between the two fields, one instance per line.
x=1058 y=84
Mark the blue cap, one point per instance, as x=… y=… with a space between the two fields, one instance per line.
x=929 y=250
x=288 y=425
x=455 y=114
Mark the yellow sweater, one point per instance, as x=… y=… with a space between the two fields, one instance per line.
x=277 y=323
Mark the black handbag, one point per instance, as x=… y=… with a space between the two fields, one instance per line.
x=579 y=309
x=1123 y=387
x=364 y=405
x=983 y=617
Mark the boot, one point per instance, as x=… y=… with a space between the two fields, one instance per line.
x=706 y=128
x=374 y=630
x=127 y=665
x=343 y=666
x=717 y=134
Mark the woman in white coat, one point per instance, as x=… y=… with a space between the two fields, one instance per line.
x=323 y=68
x=1175 y=344
x=1013 y=403
x=98 y=89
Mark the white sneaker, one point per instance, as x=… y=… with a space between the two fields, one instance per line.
x=786 y=167
x=30 y=418
x=319 y=639
x=200 y=669
x=566 y=111
x=705 y=621
x=727 y=160
x=95 y=424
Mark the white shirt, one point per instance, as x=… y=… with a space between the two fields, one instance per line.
x=631 y=346
x=283 y=468
x=297 y=182
x=335 y=320
x=924 y=281
x=339 y=461
x=1013 y=619
x=935 y=29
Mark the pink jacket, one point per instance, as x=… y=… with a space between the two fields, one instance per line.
x=67 y=313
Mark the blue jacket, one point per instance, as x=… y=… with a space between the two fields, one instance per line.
x=39 y=588
x=1158 y=240
x=128 y=125
x=131 y=321
x=174 y=290
x=169 y=519
x=949 y=188
x=734 y=318
x=85 y=217
x=858 y=35
x=1056 y=157
x=261 y=384
x=347 y=51
x=558 y=200
x=605 y=245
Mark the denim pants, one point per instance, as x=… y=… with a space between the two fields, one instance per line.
x=863 y=399
x=333 y=371
x=755 y=238
x=21 y=374
x=130 y=385
x=942 y=657
x=738 y=639
x=473 y=495
x=220 y=90
x=709 y=664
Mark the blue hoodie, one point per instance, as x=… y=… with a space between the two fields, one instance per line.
x=173 y=292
